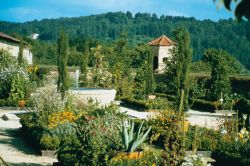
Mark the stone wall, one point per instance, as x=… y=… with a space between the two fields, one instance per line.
x=13 y=48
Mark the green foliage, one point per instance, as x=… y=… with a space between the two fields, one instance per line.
x=63 y=56
x=202 y=139
x=229 y=35
x=14 y=79
x=20 y=53
x=84 y=62
x=96 y=138
x=145 y=104
x=44 y=52
x=149 y=157
x=220 y=83
x=74 y=57
x=49 y=142
x=232 y=153
x=200 y=66
x=183 y=55
x=131 y=141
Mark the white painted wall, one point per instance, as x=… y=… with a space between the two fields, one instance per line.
x=13 y=48
x=161 y=52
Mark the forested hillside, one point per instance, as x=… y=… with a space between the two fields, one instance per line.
x=232 y=36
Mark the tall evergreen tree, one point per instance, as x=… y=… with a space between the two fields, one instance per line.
x=150 y=73
x=84 y=62
x=183 y=55
x=20 y=53
x=62 y=84
x=220 y=83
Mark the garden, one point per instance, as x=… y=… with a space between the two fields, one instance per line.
x=90 y=134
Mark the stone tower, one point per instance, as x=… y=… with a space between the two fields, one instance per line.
x=161 y=48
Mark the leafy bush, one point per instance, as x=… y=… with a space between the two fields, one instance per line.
x=232 y=153
x=203 y=105
x=8 y=102
x=13 y=78
x=49 y=142
x=158 y=103
x=203 y=139
x=96 y=139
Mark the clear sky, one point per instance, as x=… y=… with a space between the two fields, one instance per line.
x=28 y=10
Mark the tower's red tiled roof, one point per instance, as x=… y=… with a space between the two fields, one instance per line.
x=9 y=38
x=161 y=41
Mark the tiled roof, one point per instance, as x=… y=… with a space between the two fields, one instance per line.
x=161 y=41
x=9 y=38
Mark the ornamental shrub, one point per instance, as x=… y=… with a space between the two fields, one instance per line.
x=13 y=78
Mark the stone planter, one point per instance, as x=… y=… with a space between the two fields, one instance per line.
x=104 y=97
x=49 y=153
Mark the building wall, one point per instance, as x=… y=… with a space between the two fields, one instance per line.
x=13 y=48
x=161 y=52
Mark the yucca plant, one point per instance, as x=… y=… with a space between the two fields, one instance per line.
x=131 y=140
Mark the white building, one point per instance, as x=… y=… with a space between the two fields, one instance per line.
x=34 y=36
x=161 y=49
x=11 y=44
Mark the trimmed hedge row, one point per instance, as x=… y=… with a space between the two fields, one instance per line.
x=198 y=104
x=142 y=105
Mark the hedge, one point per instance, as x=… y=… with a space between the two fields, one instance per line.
x=142 y=105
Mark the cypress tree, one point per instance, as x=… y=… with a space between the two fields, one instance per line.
x=62 y=84
x=220 y=82
x=184 y=56
x=84 y=62
x=150 y=73
x=20 y=53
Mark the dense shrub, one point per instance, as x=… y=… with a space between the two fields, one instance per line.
x=96 y=139
x=203 y=139
x=158 y=103
x=14 y=79
x=8 y=103
x=232 y=153
x=49 y=142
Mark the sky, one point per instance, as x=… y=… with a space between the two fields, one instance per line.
x=29 y=10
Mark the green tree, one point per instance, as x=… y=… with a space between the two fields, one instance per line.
x=183 y=54
x=85 y=58
x=62 y=84
x=20 y=53
x=220 y=83
x=150 y=74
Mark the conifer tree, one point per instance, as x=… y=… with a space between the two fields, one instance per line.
x=183 y=55
x=84 y=62
x=20 y=53
x=150 y=74
x=62 y=84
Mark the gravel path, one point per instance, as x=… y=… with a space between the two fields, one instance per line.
x=14 y=150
